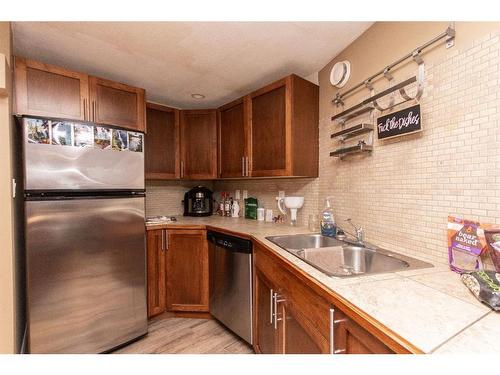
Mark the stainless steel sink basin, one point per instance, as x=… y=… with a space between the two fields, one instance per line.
x=343 y=259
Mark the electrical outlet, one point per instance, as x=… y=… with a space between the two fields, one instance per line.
x=237 y=195
x=245 y=194
x=281 y=193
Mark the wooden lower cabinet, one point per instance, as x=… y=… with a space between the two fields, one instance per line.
x=177 y=271
x=156 y=272
x=292 y=318
x=266 y=336
x=353 y=339
x=187 y=270
x=279 y=327
x=300 y=335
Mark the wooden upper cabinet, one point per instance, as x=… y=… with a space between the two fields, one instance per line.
x=233 y=139
x=117 y=104
x=198 y=144
x=269 y=131
x=51 y=91
x=47 y=90
x=187 y=270
x=162 y=157
x=284 y=129
x=156 y=272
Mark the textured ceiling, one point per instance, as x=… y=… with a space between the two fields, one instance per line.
x=172 y=60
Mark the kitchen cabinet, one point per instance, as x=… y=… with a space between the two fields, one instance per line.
x=355 y=340
x=156 y=272
x=266 y=338
x=198 y=133
x=300 y=336
x=117 y=104
x=283 y=124
x=187 y=270
x=292 y=317
x=162 y=157
x=51 y=91
x=233 y=139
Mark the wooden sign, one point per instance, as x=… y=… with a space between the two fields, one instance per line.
x=398 y=123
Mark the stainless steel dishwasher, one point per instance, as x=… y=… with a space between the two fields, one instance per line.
x=230 y=260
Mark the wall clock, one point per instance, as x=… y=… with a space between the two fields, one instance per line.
x=340 y=73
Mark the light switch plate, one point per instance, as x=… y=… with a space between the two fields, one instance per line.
x=237 y=195
x=281 y=193
x=245 y=194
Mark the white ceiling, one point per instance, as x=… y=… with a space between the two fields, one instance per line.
x=172 y=60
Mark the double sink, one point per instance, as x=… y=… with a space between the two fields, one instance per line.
x=345 y=258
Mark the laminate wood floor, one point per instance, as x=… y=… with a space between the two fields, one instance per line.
x=169 y=335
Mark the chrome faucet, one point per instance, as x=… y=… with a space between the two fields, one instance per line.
x=360 y=233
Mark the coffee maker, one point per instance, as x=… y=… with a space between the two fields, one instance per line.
x=198 y=202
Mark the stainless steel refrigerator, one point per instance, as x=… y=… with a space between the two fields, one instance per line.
x=85 y=236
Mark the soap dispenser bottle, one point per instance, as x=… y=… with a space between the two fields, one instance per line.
x=328 y=227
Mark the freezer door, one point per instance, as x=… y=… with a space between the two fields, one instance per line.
x=86 y=275
x=57 y=167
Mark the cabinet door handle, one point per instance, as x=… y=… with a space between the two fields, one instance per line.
x=166 y=239
x=277 y=299
x=84 y=109
x=182 y=169
x=162 y=240
x=332 y=332
x=243 y=166
x=247 y=174
x=271 y=306
x=94 y=110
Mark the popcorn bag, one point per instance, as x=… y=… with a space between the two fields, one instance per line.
x=466 y=242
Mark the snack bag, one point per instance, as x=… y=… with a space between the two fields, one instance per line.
x=493 y=242
x=465 y=244
x=485 y=285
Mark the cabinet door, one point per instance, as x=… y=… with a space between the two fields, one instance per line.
x=232 y=140
x=156 y=272
x=300 y=336
x=266 y=338
x=47 y=90
x=187 y=270
x=350 y=338
x=117 y=104
x=198 y=144
x=162 y=142
x=271 y=131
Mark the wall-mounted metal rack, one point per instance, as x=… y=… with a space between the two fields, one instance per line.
x=367 y=104
x=344 y=151
x=448 y=35
x=353 y=131
x=371 y=103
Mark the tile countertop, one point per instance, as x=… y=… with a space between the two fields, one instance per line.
x=430 y=308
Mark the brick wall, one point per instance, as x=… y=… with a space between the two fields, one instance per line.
x=403 y=192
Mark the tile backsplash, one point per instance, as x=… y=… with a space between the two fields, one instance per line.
x=165 y=197
x=266 y=191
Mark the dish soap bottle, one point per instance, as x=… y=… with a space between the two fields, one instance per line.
x=328 y=227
